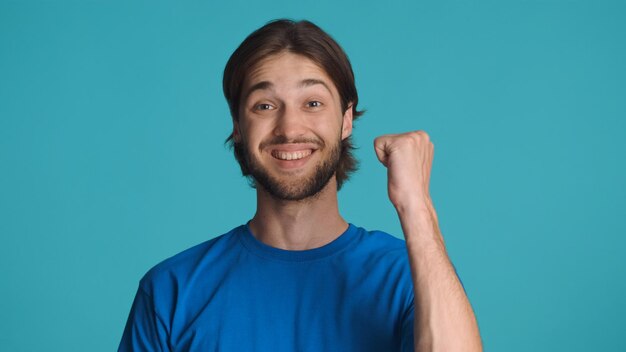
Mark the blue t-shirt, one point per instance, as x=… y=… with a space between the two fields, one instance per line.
x=235 y=293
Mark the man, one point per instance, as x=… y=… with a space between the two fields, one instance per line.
x=297 y=276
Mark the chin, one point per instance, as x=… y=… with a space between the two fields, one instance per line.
x=295 y=190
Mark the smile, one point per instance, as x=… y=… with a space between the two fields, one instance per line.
x=291 y=155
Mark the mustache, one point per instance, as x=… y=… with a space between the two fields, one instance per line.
x=278 y=140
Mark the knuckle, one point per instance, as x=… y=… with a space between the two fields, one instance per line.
x=421 y=136
x=414 y=137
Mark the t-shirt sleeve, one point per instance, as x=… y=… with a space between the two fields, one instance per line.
x=144 y=329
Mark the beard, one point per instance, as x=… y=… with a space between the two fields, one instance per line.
x=296 y=188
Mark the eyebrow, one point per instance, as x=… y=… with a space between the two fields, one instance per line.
x=267 y=85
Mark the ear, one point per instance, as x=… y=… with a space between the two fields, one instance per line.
x=346 y=129
x=236 y=132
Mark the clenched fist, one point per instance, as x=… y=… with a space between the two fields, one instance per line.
x=408 y=158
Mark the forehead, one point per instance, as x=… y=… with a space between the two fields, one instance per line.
x=287 y=70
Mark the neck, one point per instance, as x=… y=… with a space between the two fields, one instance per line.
x=298 y=225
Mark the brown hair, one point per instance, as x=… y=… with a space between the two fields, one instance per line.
x=306 y=39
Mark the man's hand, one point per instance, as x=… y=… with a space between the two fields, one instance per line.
x=408 y=158
x=445 y=320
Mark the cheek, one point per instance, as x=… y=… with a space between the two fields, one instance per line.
x=334 y=128
x=253 y=135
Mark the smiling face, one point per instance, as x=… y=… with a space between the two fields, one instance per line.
x=291 y=126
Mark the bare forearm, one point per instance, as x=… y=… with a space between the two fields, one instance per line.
x=444 y=320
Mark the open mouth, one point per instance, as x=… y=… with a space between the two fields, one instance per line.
x=291 y=155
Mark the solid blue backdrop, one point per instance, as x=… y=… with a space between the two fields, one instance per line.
x=112 y=123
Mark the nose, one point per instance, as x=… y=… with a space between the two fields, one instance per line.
x=290 y=123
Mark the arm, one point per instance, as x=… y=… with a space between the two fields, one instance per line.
x=144 y=330
x=443 y=319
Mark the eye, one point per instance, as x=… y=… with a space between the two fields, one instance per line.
x=263 y=106
x=314 y=104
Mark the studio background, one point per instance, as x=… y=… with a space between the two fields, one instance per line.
x=112 y=156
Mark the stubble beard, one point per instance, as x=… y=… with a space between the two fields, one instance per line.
x=297 y=189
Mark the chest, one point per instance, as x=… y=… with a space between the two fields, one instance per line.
x=269 y=306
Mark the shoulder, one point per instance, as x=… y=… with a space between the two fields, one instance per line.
x=384 y=258
x=378 y=240
x=377 y=245
x=181 y=266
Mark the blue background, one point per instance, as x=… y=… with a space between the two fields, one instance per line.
x=112 y=123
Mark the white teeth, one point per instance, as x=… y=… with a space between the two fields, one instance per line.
x=292 y=155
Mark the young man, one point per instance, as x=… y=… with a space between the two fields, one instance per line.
x=297 y=276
